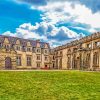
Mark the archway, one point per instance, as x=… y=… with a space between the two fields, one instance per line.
x=8 y=63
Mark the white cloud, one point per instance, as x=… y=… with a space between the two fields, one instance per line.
x=86 y=16
x=52 y=34
x=55 y=12
x=8 y=33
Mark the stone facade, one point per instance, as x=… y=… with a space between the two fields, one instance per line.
x=82 y=54
x=17 y=53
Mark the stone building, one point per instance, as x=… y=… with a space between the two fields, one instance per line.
x=82 y=54
x=17 y=53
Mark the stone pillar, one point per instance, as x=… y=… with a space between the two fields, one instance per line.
x=13 y=62
x=99 y=59
x=91 y=57
x=71 y=65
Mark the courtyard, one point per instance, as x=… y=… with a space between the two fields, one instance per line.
x=49 y=85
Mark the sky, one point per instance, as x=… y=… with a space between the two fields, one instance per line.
x=54 y=21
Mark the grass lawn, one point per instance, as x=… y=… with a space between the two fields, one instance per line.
x=49 y=85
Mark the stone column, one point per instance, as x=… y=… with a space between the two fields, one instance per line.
x=99 y=59
x=71 y=64
x=91 y=57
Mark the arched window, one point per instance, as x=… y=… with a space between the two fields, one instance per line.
x=88 y=60
x=60 y=63
x=69 y=62
x=74 y=61
x=56 y=63
x=69 y=51
x=96 y=59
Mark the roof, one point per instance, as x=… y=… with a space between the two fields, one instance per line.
x=12 y=40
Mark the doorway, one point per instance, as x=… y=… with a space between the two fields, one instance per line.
x=8 y=63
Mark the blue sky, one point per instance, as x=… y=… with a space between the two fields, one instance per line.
x=53 y=21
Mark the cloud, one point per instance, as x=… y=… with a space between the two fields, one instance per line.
x=8 y=33
x=94 y=5
x=58 y=12
x=91 y=4
x=50 y=33
x=33 y=2
x=64 y=11
x=62 y=20
x=79 y=11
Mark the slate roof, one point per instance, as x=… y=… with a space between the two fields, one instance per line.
x=1 y=39
x=23 y=42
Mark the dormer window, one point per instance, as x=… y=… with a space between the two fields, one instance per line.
x=7 y=46
x=12 y=45
x=38 y=50
x=33 y=49
x=23 y=48
x=46 y=51
x=29 y=49
x=18 y=48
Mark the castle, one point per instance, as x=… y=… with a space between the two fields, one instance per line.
x=82 y=54
x=17 y=53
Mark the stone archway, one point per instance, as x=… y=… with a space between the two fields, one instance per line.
x=7 y=59
x=8 y=63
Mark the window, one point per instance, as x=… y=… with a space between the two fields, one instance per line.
x=60 y=52
x=29 y=49
x=60 y=63
x=53 y=65
x=46 y=58
x=97 y=43
x=57 y=63
x=38 y=50
x=18 y=60
x=28 y=61
x=7 y=46
x=33 y=49
x=0 y=44
x=88 y=60
x=46 y=51
x=96 y=59
x=12 y=46
x=38 y=65
x=18 y=48
x=69 y=51
x=88 y=45
x=38 y=57
x=23 y=48
x=74 y=49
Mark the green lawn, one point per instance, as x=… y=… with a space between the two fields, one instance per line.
x=49 y=85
